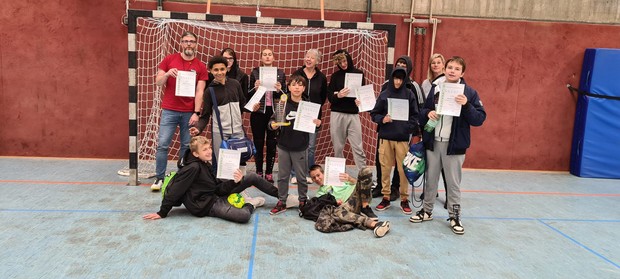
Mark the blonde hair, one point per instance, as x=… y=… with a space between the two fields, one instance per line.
x=198 y=141
x=339 y=57
x=433 y=57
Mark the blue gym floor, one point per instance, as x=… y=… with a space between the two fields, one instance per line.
x=76 y=218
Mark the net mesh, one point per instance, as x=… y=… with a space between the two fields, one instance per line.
x=157 y=38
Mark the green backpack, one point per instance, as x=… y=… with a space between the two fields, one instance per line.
x=167 y=181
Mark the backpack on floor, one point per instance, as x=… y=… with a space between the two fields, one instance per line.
x=313 y=206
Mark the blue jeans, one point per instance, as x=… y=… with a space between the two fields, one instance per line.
x=167 y=126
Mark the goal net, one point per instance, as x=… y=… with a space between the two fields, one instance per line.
x=156 y=38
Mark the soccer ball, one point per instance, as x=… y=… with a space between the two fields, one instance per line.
x=236 y=200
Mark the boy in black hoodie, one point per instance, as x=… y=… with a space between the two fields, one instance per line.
x=196 y=187
x=344 y=122
x=404 y=62
x=394 y=135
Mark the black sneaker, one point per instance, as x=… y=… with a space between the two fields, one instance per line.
x=376 y=192
x=456 y=225
x=280 y=207
x=381 y=228
x=394 y=195
x=367 y=211
x=383 y=205
x=421 y=216
x=404 y=206
x=301 y=205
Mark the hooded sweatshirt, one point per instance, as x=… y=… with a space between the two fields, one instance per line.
x=412 y=85
x=230 y=102
x=316 y=90
x=336 y=83
x=395 y=130
x=194 y=186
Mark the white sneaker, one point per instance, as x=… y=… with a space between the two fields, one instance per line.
x=309 y=180
x=294 y=180
x=381 y=229
x=156 y=186
x=256 y=202
x=292 y=201
x=245 y=195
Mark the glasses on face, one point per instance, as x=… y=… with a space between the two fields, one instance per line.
x=188 y=42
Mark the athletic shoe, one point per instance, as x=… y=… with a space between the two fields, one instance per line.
x=280 y=207
x=383 y=205
x=156 y=186
x=256 y=202
x=421 y=216
x=259 y=173
x=294 y=180
x=245 y=195
x=456 y=225
x=394 y=195
x=404 y=206
x=269 y=177
x=309 y=180
x=376 y=192
x=381 y=228
x=301 y=205
x=292 y=201
x=367 y=211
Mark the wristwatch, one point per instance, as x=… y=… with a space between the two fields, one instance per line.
x=197 y=113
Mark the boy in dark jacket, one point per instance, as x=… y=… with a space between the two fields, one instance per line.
x=394 y=135
x=196 y=187
x=447 y=142
x=292 y=147
x=404 y=62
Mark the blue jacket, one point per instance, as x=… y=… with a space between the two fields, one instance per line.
x=395 y=130
x=472 y=114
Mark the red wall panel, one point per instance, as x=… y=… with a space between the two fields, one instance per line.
x=63 y=86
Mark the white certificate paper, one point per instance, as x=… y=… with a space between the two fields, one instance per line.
x=227 y=163
x=447 y=104
x=268 y=77
x=255 y=98
x=306 y=113
x=352 y=81
x=186 y=84
x=366 y=95
x=398 y=109
x=333 y=168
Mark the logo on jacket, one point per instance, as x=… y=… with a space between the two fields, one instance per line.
x=291 y=115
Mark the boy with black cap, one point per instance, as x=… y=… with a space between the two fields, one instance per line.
x=394 y=135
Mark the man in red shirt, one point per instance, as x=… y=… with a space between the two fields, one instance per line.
x=182 y=111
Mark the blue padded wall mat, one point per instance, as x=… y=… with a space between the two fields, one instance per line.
x=595 y=149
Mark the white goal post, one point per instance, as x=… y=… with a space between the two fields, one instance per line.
x=154 y=34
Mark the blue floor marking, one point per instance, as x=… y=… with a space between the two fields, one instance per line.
x=253 y=250
x=579 y=243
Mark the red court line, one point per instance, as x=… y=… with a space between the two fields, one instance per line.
x=316 y=187
x=97 y=183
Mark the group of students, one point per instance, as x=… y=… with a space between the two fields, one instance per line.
x=196 y=186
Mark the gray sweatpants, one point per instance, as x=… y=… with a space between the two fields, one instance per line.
x=453 y=167
x=343 y=127
x=296 y=160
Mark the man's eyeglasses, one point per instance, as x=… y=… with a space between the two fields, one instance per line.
x=188 y=42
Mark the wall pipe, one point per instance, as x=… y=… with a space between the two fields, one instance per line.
x=368 y=10
x=412 y=20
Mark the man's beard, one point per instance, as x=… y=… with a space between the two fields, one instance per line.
x=189 y=52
